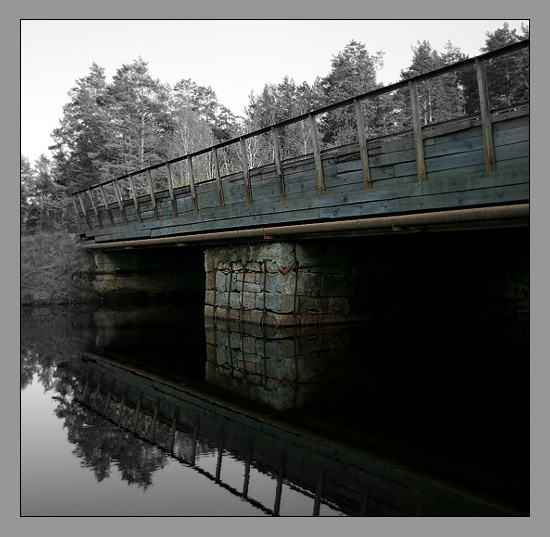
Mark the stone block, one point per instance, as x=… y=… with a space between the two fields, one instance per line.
x=251 y=287
x=210 y=280
x=248 y=300
x=221 y=355
x=279 y=348
x=308 y=319
x=323 y=305
x=222 y=298
x=280 y=319
x=235 y=300
x=271 y=267
x=281 y=253
x=323 y=285
x=280 y=283
x=279 y=302
x=252 y=267
x=209 y=297
x=251 y=316
x=236 y=266
x=210 y=259
x=279 y=368
x=235 y=340
x=249 y=345
x=222 y=281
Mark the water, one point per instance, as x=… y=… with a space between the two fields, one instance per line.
x=151 y=412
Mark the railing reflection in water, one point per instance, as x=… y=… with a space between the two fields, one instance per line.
x=195 y=436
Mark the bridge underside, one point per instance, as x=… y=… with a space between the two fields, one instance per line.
x=333 y=280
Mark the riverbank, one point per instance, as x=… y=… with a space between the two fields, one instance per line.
x=55 y=270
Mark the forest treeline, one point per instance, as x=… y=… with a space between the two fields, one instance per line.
x=109 y=129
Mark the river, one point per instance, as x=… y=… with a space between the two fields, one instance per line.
x=151 y=411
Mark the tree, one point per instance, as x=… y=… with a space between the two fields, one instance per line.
x=277 y=103
x=47 y=200
x=141 y=126
x=203 y=101
x=353 y=73
x=199 y=122
x=27 y=187
x=507 y=76
x=80 y=140
x=440 y=98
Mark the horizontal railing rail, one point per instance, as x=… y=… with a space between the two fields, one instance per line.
x=410 y=84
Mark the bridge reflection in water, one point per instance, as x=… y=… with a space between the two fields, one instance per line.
x=332 y=420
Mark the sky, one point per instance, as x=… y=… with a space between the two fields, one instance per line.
x=233 y=57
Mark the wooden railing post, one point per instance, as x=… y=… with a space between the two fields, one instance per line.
x=134 y=195
x=80 y=218
x=152 y=193
x=109 y=212
x=278 y=165
x=192 y=186
x=367 y=180
x=317 y=156
x=219 y=186
x=171 y=190
x=488 y=144
x=417 y=129
x=119 y=201
x=246 y=174
x=84 y=211
x=94 y=207
x=247 y=461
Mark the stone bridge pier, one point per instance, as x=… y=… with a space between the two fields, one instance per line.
x=294 y=283
x=307 y=283
x=281 y=283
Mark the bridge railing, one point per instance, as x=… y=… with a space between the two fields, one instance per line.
x=182 y=172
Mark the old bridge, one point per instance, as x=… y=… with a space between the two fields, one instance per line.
x=337 y=233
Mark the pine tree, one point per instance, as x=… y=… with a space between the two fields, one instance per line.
x=27 y=188
x=47 y=200
x=140 y=121
x=440 y=98
x=80 y=139
x=507 y=76
x=353 y=73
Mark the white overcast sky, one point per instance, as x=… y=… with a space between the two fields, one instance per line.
x=233 y=57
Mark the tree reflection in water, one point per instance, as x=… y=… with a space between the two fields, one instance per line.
x=51 y=346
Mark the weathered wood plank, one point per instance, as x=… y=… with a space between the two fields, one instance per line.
x=363 y=150
x=511 y=151
x=246 y=174
x=278 y=163
x=192 y=185
x=173 y=203
x=84 y=212
x=485 y=115
x=417 y=128
x=152 y=194
x=219 y=185
x=135 y=197
x=317 y=155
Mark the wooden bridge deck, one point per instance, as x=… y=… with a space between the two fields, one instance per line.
x=472 y=162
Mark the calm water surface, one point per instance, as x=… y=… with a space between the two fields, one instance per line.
x=148 y=412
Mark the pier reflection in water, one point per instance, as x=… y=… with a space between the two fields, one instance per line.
x=290 y=422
